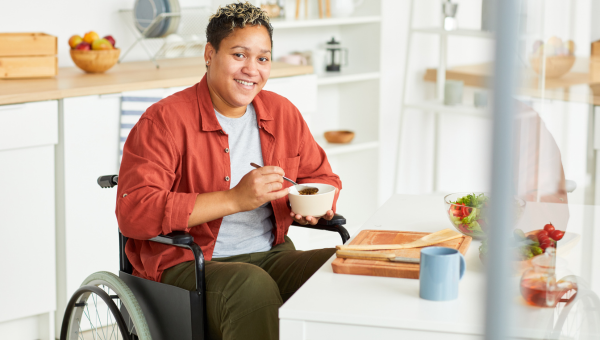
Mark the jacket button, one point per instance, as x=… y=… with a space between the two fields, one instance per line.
x=227 y=178
x=226 y=150
x=124 y=195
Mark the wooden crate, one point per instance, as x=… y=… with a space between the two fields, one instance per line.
x=27 y=44
x=595 y=69
x=28 y=55
x=28 y=67
x=596 y=48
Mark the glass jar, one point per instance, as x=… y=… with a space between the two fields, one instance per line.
x=539 y=286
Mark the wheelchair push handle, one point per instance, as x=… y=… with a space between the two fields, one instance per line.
x=108 y=181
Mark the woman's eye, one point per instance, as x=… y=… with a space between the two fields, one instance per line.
x=264 y=59
x=239 y=55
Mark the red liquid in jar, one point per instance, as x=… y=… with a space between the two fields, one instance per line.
x=535 y=293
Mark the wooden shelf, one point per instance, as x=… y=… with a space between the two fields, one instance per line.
x=435 y=106
x=344 y=77
x=357 y=144
x=282 y=23
x=459 y=32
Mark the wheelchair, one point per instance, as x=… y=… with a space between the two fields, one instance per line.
x=128 y=307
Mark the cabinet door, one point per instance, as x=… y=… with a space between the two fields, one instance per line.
x=28 y=133
x=87 y=226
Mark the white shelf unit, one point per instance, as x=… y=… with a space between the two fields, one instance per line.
x=436 y=105
x=458 y=32
x=346 y=100
x=302 y=23
x=346 y=77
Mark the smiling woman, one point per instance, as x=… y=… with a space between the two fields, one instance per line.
x=237 y=56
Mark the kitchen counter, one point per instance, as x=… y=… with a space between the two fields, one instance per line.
x=130 y=76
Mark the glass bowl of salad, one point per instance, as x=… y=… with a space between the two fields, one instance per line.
x=469 y=212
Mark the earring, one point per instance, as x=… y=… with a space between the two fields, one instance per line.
x=207 y=62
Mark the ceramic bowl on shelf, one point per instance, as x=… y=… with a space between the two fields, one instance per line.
x=312 y=205
x=95 y=61
x=556 y=66
x=342 y=136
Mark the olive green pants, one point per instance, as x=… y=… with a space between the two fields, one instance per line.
x=244 y=292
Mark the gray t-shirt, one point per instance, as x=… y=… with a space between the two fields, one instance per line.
x=248 y=231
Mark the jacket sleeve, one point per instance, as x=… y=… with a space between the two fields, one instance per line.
x=147 y=204
x=314 y=166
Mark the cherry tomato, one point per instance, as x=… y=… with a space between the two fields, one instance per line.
x=542 y=233
x=557 y=234
x=549 y=227
x=467 y=211
x=545 y=244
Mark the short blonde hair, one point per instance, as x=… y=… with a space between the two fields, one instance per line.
x=232 y=16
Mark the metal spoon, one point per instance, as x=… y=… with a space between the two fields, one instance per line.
x=305 y=188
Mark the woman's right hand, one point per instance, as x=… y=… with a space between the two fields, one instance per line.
x=258 y=187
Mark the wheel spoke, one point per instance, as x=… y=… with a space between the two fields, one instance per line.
x=87 y=314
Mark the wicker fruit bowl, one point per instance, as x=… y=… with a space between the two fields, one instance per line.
x=556 y=66
x=95 y=61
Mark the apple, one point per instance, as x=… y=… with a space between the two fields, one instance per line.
x=75 y=40
x=110 y=39
x=90 y=36
x=83 y=46
x=101 y=44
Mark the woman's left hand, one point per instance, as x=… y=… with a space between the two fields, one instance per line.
x=309 y=219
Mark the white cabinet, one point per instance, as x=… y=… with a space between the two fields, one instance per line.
x=87 y=231
x=28 y=134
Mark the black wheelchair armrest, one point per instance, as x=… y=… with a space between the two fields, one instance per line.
x=335 y=225
x=176 y=238
x=185 y=240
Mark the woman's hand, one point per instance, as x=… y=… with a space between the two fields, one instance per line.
x=259 y=187
x=304 y=220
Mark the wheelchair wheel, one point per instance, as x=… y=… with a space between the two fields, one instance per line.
x=95 y=311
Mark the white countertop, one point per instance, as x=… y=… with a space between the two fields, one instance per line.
x=395 y=304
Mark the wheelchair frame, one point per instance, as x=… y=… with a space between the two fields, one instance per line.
x=172 y=312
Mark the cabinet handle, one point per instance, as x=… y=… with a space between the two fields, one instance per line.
x=12 y=107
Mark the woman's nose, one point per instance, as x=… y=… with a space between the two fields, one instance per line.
x=250 y=68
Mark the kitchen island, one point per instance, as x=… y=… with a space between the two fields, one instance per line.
x=341 y=306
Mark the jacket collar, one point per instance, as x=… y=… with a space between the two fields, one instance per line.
x=208 y=118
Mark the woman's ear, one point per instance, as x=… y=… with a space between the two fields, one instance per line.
x=209 y=52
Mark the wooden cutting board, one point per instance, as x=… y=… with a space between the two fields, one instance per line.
x=387 y=268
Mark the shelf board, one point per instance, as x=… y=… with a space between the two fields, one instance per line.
x=435 y=106
x=344 y=77
x=458 y=32
x=339 y=149
x=300 y=23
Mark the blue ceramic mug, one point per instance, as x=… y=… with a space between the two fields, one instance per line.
x=441 y=269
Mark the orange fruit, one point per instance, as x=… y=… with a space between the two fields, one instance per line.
x=90 y=36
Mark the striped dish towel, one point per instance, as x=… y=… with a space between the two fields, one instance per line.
x=133 y=105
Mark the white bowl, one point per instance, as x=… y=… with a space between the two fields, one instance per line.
x=312 y=205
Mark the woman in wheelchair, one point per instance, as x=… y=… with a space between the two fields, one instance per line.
x=186 y=167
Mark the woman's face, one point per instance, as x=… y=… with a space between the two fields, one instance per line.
x=241 y=67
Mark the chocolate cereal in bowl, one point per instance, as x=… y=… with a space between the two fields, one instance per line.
x=312 y=204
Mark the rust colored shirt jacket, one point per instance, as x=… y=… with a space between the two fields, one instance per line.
x=177 y=150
